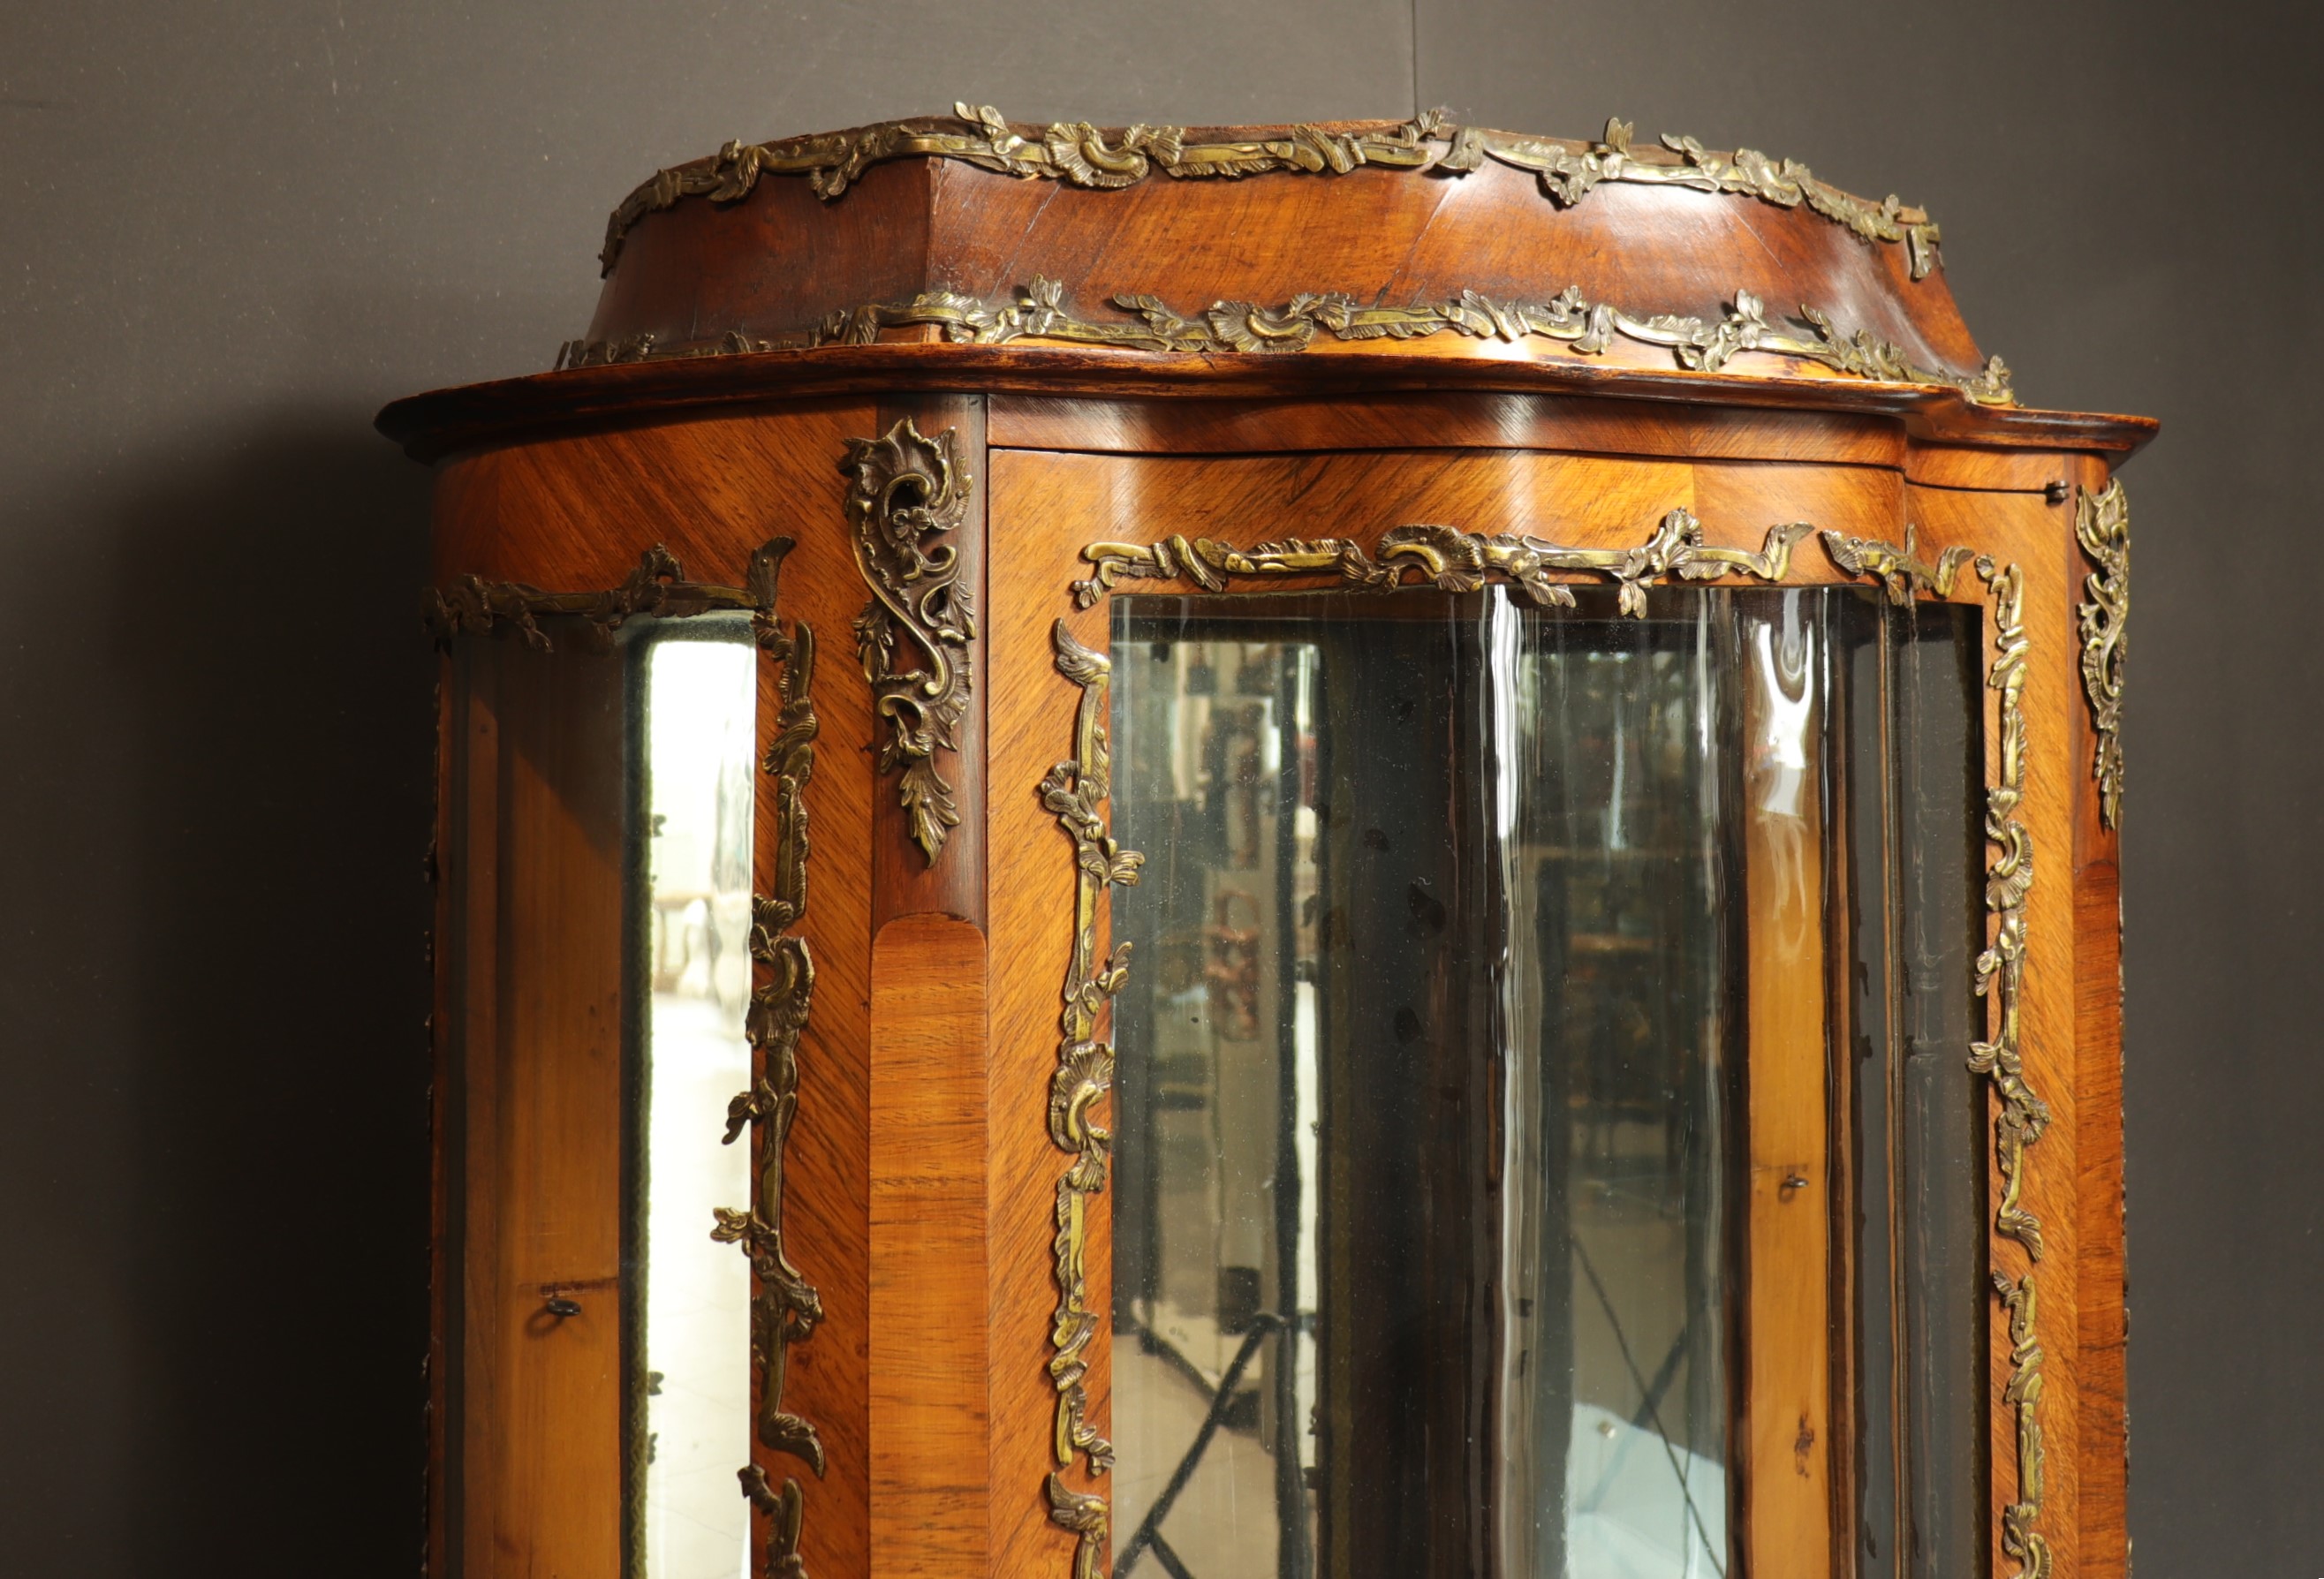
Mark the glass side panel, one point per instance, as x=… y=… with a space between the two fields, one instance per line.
x=535 y=975
x=596 y=840
x=691 y=1297
x=1912 y=768
x=1421 y=1222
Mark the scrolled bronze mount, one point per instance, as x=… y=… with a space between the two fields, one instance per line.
x=906 y=495
x=1039 y=312
x=1082 y=155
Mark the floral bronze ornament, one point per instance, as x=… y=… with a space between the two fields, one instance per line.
x=1568 y=174
x=472 y=606
x=905 y=493
x=1040 y=311
x=1082 y=155
x=2022 y=1393
x=1902 y=571
x=2102 y=527
x=1088 y=1517
x=786 y=1309
x=2000 y=968
x=1074 y=791
x=1450 y=560
x=2021 y=1115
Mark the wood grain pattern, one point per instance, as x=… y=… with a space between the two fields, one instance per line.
x=1954 y=465
x=547 y=405
x=873 y=247
x=2103 y=1274
x=696 y=272
x=1583 y=501
x=794 y=487
x=921 y=1176
x=1031 y=718
x=537 y=869
x=1450 y=420
x=1786 y=1438
x=575 y=514
x=929 y=1307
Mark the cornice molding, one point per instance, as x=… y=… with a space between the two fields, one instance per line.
x=1083 y=155
x=1040 y=311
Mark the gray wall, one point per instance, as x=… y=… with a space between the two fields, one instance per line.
x=228 y=232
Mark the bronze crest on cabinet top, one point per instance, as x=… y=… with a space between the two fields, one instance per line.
x=1082 y=155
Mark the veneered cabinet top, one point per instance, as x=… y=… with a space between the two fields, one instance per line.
x=964 y=251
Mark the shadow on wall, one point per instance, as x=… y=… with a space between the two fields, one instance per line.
x=274 y=663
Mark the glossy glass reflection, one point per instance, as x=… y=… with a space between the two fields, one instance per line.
x=1911 y=773
x=690 y=1298
x=1430 y=1208
x=1420 y=1223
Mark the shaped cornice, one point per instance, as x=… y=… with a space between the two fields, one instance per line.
x=1040 y=311
x=1083 y=155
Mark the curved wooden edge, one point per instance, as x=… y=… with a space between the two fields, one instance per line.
x=509 y=410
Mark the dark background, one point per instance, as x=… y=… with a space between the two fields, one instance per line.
x=230 y=232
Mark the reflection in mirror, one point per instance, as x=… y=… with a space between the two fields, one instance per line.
x=690 y=1299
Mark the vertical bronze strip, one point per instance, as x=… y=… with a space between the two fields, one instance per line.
x=2102 y=527
x=917 y=523
x=2022 y=1115
x=1074 y=790
x=786 y=1309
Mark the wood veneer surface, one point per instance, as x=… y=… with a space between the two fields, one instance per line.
x=781 y=259
x=574 y=512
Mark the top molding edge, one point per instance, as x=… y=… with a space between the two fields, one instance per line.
x=1112 y=157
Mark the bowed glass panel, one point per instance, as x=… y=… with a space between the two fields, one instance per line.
x=1431 y=1232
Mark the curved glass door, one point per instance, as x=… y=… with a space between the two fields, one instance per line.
x=1447 y=1237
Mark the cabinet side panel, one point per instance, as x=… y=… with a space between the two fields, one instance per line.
x=790 y=465
x=2099 y=1065
x=576 y=514
x=539 y=872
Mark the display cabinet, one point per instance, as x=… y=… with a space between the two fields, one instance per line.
x=1358 y=850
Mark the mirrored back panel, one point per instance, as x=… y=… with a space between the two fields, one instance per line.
x=1436 y=1205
